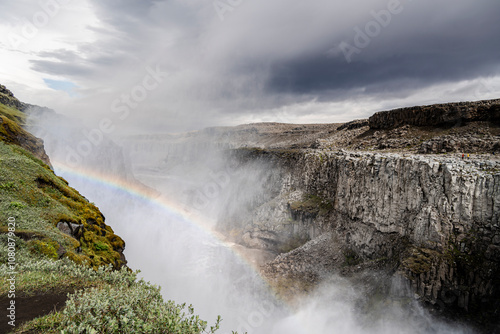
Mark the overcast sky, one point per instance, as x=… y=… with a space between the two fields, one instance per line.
x=175 y=65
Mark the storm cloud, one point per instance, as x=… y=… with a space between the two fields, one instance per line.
x=232 y=62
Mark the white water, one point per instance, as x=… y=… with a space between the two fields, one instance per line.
x=194 y=267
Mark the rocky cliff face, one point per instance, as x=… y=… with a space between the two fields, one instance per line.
x=448 y=114
x=361 y=197
x=7 y=98
x=11 y=132
x=12 y=120
x=433 y=220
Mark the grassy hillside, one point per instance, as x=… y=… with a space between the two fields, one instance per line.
x=71 y=278
x=38 y=200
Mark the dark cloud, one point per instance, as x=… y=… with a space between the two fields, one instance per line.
x=319 y=74
x=451 y=48
x=63 y=69
x=264 y=56
x=61 y=55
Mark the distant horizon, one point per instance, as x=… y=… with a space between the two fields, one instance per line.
x=173 y=66
x=275 y=122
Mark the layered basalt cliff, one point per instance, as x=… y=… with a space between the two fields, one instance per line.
x=358 y=198
x=433 y=220
x=448 y=114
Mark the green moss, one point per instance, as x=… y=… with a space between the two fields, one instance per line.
x=46 y=248
x=8 y=186
x=12 y=133
x=9 y=129
x=115 y=241
x=12 y=113
x=16 y=205
x=39 y=200
x=312 y=204
x=77 y=258
x=99 y=246
x=321 y=158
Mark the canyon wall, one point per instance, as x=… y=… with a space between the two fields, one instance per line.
x=433 y=220
x=336 y=199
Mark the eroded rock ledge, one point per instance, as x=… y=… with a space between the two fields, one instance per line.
x=433 y=220
x=448 y=114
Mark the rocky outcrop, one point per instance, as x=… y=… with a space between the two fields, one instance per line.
x=465 y=144
x=438 y=115
x=434 y=220
x=12 y=133
x=353 y=125
x=7 y=98
x=467 y=127
x=11 y=122
x=336 y=198
x=71 y=229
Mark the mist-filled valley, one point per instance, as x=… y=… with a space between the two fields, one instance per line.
x=285 y=167
x=181 y=203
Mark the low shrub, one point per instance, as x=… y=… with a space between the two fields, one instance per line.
x=136 y=309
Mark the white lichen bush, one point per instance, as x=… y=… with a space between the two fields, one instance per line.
x=136 y=309
x=116 y=302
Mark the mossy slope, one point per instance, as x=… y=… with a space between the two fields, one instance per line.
x=38 y=199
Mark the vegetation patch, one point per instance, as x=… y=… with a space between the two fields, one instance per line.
x=46 y=247
x=16 y=205
x=39 y=200
x=312 y=204
x=121 y=309
x=99 y=246
x=420 y=260
x=113 y=301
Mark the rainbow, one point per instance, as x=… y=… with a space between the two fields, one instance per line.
x=139 y=191
x=172 y=208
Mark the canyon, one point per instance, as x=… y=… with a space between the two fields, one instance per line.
x=404 y=195
x=402 y=209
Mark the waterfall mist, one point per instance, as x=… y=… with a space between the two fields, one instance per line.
x=183 y=254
